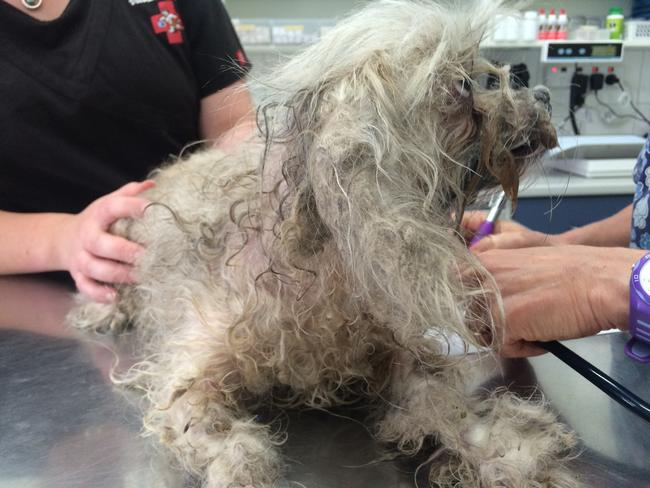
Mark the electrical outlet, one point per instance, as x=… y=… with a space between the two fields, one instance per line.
x=557 y=76
x=607 y=116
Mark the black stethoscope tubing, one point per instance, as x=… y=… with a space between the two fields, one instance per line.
x=614 y=390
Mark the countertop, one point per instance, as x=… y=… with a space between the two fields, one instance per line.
x=63 y=425
x=548 y=182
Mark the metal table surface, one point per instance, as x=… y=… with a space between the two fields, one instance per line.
x=62 y=424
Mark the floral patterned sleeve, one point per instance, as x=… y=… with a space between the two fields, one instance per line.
x=640 y=234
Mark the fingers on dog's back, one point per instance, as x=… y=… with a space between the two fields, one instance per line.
x=114 y=207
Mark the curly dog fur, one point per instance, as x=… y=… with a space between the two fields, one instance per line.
x=310 y=266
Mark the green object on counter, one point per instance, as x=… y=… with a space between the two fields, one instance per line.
x=614 y=23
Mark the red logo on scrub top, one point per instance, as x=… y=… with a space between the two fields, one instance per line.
x=168 y=21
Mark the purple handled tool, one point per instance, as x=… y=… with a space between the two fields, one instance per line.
x=487 y=227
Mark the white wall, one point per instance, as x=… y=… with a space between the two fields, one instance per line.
x=337 y=8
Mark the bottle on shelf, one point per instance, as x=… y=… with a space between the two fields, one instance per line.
x=530 y=26
x=615 y=23
x=562 y=26
x=543 y=27
x=552 y=25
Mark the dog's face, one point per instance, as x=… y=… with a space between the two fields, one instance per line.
x=512 y=129
x=482 y=136
x=400 y=85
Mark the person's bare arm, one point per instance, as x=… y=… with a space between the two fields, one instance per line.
x=613 y=231
x=559 y=292
x=28 y=243
x=80 y=244
x=227 y=116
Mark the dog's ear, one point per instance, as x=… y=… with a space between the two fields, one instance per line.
x=501 y=164
x=495 y=162
x=305 y=233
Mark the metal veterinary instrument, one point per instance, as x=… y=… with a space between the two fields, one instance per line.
x=487 y=227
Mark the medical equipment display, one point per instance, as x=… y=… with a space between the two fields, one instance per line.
x=582 y=51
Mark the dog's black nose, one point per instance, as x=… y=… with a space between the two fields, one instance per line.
x=542 y=94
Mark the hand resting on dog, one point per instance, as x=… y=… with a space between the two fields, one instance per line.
x=78 y=243
x=555 y=287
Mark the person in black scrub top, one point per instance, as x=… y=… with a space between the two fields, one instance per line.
x=95 y=94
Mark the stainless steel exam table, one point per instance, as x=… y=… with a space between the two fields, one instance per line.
x=63 y=425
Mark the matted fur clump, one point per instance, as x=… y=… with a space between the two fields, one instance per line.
x=320 y=262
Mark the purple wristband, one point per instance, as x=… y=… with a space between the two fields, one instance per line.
x=638 y=347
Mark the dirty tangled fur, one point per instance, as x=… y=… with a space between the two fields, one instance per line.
x=320 y=262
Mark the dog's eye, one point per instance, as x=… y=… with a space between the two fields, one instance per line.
x=463 y=87
x=492 y=82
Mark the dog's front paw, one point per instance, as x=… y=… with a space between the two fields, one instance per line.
x=516 y=444
x=243 y=460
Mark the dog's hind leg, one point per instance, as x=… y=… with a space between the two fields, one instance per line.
x=501 y=441
x=223 y=446
x=97 y=317
x=197 y=395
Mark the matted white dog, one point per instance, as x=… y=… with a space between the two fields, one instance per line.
x=306 y=268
